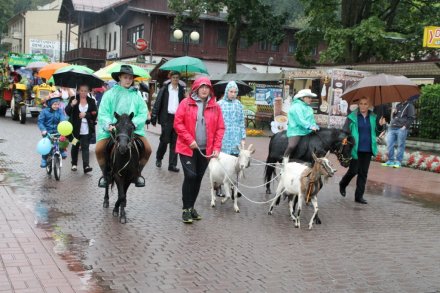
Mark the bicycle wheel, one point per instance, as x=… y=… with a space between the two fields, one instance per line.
x=49 y=165
x=57 y=167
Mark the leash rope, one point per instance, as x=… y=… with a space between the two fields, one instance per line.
x=232 y=182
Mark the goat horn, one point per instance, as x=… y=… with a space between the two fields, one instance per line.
x=250 y=147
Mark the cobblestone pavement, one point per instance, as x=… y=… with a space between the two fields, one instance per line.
x=389 y=245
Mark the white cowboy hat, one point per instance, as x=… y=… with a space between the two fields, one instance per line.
x=305 y=93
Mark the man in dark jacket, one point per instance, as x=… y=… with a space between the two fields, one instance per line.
x=402 y=118
x=167 y=101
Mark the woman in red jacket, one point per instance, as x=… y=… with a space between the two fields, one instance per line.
x=199 y=126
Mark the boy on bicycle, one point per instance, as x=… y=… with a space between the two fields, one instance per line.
x=48 y=121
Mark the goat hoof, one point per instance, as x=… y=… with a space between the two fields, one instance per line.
x=270 y=213
x=122 y=220
x=213 y=205
x=105 y=204
x=318 y=221
x=237 y=210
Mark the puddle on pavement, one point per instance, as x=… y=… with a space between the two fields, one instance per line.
x=71 y=249
x=430 y=200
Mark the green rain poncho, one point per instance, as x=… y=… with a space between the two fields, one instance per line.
x=123 y=101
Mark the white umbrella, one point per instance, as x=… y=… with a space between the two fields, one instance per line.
x=36 y=64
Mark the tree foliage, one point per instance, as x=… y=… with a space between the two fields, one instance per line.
x=251 y=19
x=8 y=8
x=367 y=30
x=430 y=111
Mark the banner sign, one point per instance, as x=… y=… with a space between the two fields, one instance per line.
x=266 y=94
x=431 y=37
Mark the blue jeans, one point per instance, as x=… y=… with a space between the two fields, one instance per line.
x=396 y=135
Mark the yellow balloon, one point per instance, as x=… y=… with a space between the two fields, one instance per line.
x=65 y=128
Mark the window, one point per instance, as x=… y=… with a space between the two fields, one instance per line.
x=90 y=42
x=274 y=48
x=243 y=43
x=263 y=46
x=292 y=46
x=97 y=42
x=222 y=37
x=135 y=33
x=114 y=41
x=109 y=41
x=105 y=41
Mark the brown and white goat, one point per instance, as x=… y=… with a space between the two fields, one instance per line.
x=299 y=182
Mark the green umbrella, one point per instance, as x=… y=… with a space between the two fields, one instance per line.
x=185 y=64
x=106 y=72
x=76 y=68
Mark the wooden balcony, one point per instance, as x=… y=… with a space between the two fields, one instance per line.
x=93 y=58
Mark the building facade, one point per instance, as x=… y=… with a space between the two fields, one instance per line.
x=37 y=31
x=152 y=21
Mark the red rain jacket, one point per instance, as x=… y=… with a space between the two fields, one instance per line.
x=186 y=117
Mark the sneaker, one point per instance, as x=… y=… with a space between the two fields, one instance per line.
x=397 y=165
x=74 y=168
x=88 y=169
x=186 y=216
x=63 y=154
x=195 y=215
x=43 y=163
x=158 y=163
x=388 y=164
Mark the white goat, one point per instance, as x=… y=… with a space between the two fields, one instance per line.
x=300 y=182
x=225 y=168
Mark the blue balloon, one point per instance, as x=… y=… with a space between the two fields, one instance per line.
x=44 y=146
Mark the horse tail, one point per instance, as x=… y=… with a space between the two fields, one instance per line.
x=269 y=168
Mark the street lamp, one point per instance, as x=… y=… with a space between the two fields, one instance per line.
x=193 y=36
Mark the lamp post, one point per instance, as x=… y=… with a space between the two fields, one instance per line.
x=193 y=36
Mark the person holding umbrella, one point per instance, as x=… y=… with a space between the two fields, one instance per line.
x=122 y=98
x=82 y=112
x=233 y=116
x=164 y=109
x=199 y=126
x=361 y=123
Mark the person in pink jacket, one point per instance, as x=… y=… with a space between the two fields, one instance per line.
x=199 y=126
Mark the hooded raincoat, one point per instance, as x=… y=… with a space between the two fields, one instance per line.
x=233 y=117
x=123 y=101
x=185 y=121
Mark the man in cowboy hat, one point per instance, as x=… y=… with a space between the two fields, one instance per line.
x=122 y=98
x=301 y=120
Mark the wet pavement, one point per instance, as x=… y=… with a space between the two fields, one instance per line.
x=56 y=237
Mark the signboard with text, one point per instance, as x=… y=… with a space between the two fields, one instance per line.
x=431 y=37
x=47 y=47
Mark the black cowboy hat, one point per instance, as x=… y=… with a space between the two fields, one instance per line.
x=127 y=69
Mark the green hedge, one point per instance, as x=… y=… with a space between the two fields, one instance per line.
x=429 y=115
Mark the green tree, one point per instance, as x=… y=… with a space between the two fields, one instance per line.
x=251 y=19
x=364 y=30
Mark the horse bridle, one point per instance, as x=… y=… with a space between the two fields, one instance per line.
x=338 y=151
x=131 y=142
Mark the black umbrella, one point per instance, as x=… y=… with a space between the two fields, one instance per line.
x=74 y=78
x=243 y=88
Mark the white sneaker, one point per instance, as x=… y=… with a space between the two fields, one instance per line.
x=74 y=168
